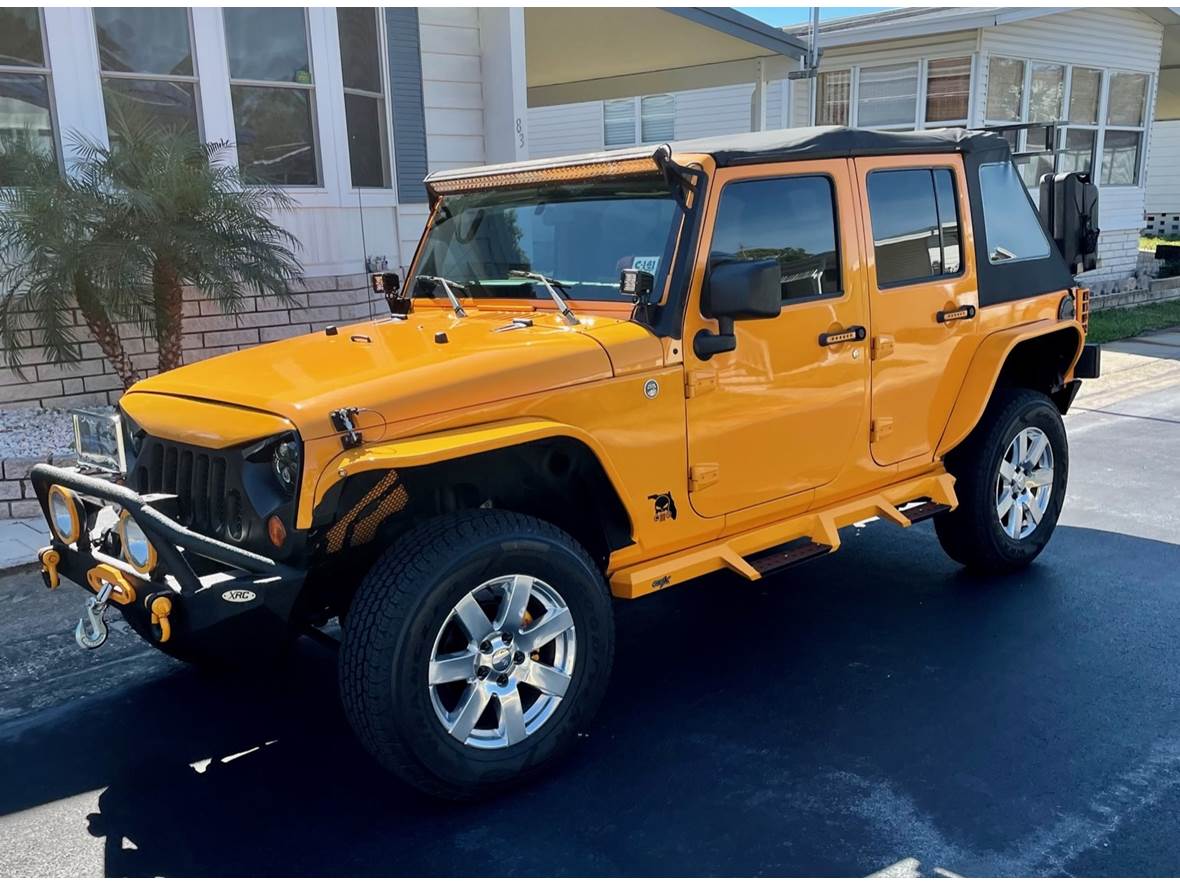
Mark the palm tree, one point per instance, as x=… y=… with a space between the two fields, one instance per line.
x=46 y=265
x=150 y=214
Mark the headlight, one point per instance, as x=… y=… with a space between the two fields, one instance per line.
x=137 y=549
x=285 y=462
x=65 y=514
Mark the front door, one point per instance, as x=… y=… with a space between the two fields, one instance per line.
x=780 y=414
x=923 y=298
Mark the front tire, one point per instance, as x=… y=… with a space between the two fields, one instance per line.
x=477 y=648
x=1010 y=478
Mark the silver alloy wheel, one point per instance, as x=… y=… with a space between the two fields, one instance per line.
x=1024 y=485
x=502 y=662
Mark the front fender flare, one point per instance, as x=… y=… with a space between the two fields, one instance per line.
x=984 y=372
x=447 y=445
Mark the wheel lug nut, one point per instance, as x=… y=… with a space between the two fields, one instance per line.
x=482 y=672
x=502 y=681
x=506 y=637
x=485 y=647
x=518 y=658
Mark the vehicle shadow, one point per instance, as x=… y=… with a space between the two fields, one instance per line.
x=859 y=709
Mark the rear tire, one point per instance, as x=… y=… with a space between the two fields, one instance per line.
x=1010 y=478
x=438 y=667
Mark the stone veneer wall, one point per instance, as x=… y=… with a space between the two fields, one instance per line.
x=318 y=302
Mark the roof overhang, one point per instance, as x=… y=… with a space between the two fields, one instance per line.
x=577 y=54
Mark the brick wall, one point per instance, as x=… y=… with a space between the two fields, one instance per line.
x=1118 y=257
x=16 y=492
x=317 y=303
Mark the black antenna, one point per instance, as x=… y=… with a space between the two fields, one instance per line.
x=360 y=210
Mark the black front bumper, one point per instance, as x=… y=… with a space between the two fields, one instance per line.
x=219 y=595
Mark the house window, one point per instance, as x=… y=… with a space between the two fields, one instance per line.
x=273 y=94
x=657 y=118
x=1046 y=94
x=1123 y=139
x=655 y=114
x=915 y=225
x=364 y=95
x=791 y=219
x=1085 y=94
x=24 y=79
x=618 y=122
x=146 y=59
x=948 y=90
x=888 y=96
x=833 y=93
x=1005 y=89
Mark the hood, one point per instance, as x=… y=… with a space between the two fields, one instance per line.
x=429 y=363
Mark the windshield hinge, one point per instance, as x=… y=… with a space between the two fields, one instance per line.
x=702 y=476
x=344 y=420
x=699 y=381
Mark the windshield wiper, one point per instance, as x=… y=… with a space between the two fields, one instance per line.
x=451 y=296
x=551 y=286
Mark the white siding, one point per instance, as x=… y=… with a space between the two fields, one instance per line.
x=565 y=129
x=1163 y=168
x=452 y=89
x=719 y=111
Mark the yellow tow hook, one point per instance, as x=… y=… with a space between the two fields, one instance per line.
x=50 y=560
x=161 y=608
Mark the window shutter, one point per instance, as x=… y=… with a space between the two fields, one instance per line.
x=657 y=118
x=405 y=93
x=618 y=122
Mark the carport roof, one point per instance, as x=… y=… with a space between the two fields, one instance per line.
x=578 y=53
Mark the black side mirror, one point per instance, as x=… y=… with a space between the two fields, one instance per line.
x=737 y=290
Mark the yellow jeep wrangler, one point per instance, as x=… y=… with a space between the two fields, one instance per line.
x=605 y=375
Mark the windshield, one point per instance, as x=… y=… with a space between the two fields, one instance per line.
x=580 y=236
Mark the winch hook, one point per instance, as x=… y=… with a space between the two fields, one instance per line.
x=92 y=630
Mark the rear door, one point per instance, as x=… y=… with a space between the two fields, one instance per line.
x=923 y=297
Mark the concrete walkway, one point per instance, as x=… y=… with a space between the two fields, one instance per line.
x=1136 y=365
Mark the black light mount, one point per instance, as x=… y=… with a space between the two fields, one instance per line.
x=389 y=284
x=637 y=283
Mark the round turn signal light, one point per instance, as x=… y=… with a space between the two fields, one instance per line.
x=276 y=531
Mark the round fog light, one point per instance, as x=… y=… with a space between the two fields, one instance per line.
x=1067 y=310
x=137 y=549
x=65 y=514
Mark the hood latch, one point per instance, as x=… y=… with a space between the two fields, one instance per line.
x=344 y=420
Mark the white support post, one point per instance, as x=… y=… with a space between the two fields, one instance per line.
x=505 y=84
x=758 y=99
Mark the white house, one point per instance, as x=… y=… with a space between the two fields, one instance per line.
x=912 y=68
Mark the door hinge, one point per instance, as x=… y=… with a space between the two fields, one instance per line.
x=699 y=381
x=882 y=346
x=880 y=428
x=702 y=476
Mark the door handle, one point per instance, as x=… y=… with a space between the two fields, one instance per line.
x=959 y=313
x=852 y=333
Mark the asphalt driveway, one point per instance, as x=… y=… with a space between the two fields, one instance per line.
x=874 y=709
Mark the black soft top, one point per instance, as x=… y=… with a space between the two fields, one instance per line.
x=823 y=142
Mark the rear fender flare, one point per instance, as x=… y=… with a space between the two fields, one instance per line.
x=984 y=372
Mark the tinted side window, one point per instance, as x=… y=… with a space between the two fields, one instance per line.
x=915 y=225
x=1010 y=224
x=791 y=219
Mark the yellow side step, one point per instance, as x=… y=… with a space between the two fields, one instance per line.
x=821 y=527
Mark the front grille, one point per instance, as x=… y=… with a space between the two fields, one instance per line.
x=195 y=476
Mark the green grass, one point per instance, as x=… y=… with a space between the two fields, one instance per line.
x=1127 y=322
x=1148 y=244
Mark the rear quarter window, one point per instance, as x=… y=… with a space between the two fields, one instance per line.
x=1011 y=228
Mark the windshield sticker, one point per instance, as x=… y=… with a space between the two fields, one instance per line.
x=648 y=263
